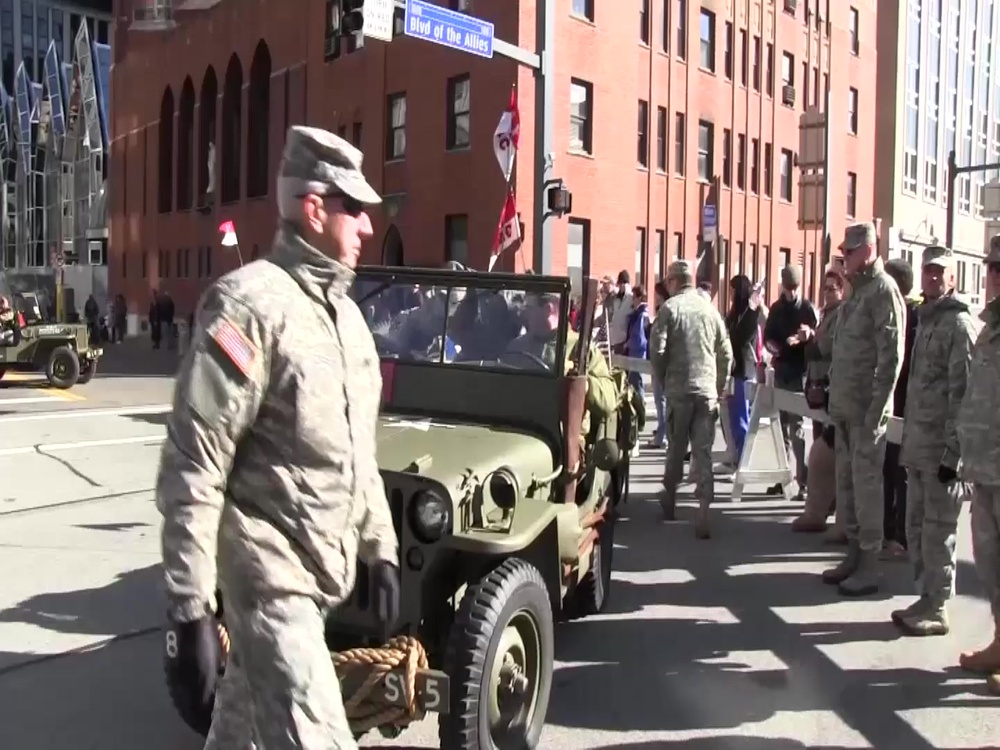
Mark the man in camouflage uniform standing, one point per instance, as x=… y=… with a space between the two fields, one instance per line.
x=979 y=438
x=269 y=470
x=690 y=349
x=867 y=356
x=939 y=369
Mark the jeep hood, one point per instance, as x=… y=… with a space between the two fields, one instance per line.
x=448 y=451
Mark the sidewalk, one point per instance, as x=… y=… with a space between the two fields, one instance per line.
x=135 y=356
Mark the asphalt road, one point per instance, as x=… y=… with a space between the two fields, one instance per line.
x=729 y=644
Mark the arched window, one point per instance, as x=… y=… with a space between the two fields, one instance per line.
x=258 y=121
x=207 y=158
x=392 y=247
x=166 y=167
x=232 y=130
x=185 y=146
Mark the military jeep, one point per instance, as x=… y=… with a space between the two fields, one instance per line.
x=504 y=509
x=60 y=350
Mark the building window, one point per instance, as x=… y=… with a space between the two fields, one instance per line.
x=707 y=60
x=459 y=89
x=642 y=139
x=679 y=143
x=456 y=238
x=769 y=70
x=852 y=195
x=640 y=254
x=661 y=249
x=768 y=164
x=853 y=30
x=727 y=54
x=706 y=150
x=577 y=252
x=682 y=29
x=852 y=110
x=644 y=21
x=583 y=9
x=756 y=63
x=395 y=147
x=665 y=27
x=581 y=110
x=727 y=157
x=661 y=139
x=744 y=57
x=786 y=175
x=754 y=166
x=678 y=245
x=741 y=161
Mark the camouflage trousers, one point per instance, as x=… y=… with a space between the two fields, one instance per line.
x=690 y=419
x=280 y=690
x=986 y=541
x=932 y=512
x=860 y=455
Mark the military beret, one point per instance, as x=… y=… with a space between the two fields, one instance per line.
x=937 y=255
x=318 y=162
x=859 y=235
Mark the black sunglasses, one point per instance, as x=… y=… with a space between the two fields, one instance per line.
x=352 y=206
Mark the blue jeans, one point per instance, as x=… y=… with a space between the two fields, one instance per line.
x=660 y=400
x=739 y=415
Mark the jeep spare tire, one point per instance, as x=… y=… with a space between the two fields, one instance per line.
x=63 y=368
x=500 y=659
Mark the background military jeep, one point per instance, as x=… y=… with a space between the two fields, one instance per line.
x=502 y=529
x=60 y=350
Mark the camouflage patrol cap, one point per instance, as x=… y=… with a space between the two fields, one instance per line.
x=681 y=268
x=317 y=162
x=937 y=255
x=859 y=235
x=993 y=255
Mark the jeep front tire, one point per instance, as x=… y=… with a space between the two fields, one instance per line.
x=63 y=368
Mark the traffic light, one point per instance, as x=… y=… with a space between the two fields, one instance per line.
x=352 y=19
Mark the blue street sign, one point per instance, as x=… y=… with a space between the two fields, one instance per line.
x=449 y=28
x=709 y=223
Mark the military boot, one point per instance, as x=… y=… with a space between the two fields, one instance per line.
x=845 y=567
x=930 y=621
x=918 y=606
x=668 y=504
x=865 y=578
x=986 y=660
x=702 y=528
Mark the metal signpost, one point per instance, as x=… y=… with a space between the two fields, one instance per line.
x=466 y=33
x=953 y=173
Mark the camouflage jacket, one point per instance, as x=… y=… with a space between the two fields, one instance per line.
x=269 y=468
x=979 y=415
x=689 y=347
x=939 y=369
x=868 y=347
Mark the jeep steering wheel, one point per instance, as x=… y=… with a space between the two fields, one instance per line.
x=515 y=353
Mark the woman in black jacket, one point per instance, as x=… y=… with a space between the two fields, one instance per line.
x=741 y=323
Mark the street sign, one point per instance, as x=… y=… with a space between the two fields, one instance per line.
x=378 y=19
x=449 y=28
x=709 y=223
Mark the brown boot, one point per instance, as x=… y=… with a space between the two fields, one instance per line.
x=668 y=504
x=702 y=528
x=845 y=568
x=806 y=524
x=984 y=661
x=836 y=535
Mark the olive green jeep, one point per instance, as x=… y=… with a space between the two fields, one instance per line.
x=503 y=492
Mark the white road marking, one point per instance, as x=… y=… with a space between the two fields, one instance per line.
x=85 y=413
x=30 y=400
x=55 y=447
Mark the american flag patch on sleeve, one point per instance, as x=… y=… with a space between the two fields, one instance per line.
x=235 y=345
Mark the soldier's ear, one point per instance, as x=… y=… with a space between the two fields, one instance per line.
x=314 y=213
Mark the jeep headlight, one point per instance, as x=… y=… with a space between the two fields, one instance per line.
x=430 y=516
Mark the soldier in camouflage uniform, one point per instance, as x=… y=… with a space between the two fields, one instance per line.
x=689 y=348
x=867 y=357
x=939 y=369
x=979 y=439
x=269 y=470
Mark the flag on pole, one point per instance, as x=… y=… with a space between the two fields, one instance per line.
x=228 y=230
x=507 y=136
x=508 y=230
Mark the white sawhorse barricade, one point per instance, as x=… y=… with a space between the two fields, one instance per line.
x=771 y=466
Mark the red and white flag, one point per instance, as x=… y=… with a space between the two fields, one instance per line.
x=228 y=230
x=508 y=230
x=507 y=136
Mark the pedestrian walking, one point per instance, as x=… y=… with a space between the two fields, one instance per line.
x=930 y=452
x=866 y=359
x=978 y=431
x=691 y=348
x=741 y=324
x=269 y=474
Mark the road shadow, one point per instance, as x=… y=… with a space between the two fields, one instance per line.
x=156 y=420
x=135 y=357
x=110 y=526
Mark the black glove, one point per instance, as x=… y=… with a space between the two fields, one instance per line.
x=946 y=474
x=191 y=663
x=385 y=580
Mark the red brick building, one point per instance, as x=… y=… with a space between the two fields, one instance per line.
x=653 y=99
